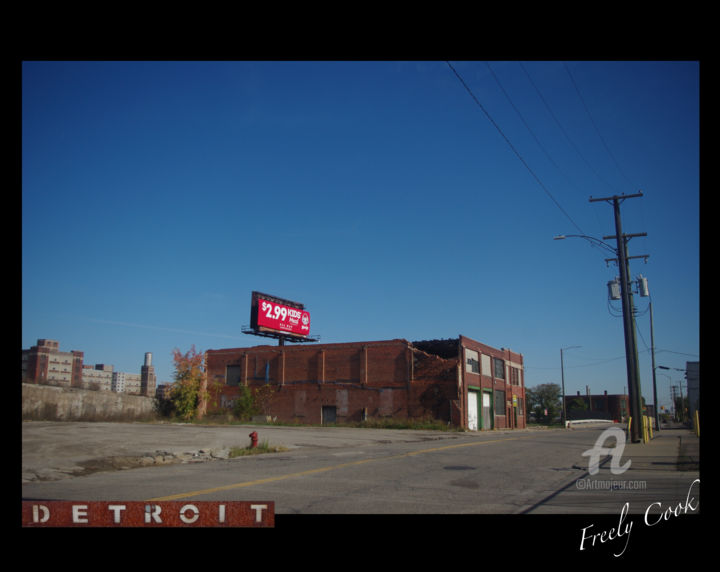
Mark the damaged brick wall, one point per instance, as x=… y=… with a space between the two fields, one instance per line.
x=352 y=381
x=349 y=381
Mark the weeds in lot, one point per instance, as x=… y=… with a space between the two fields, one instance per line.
x=421 y=424
x=264 y=447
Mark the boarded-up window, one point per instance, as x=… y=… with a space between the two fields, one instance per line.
x=233 y=375
x=485 y=361
x=471 y=361
x=499 y=402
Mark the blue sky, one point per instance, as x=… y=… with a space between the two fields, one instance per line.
x=156 y=196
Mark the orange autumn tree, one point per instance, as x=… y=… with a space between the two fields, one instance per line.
x=189 y=394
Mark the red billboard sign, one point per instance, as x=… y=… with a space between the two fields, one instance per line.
x=282 y=318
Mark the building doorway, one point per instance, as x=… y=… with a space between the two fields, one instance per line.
x=472 y=410
x=487 y=410
x=329 y=414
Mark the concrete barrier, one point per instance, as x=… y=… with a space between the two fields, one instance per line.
x=588 y=421
x=50 y=403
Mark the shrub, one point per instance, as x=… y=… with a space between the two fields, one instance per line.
x=245 y=405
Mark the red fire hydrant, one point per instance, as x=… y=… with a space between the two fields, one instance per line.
x=254 y=439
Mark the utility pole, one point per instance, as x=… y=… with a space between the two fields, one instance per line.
x=631 y=357
x=652 y=348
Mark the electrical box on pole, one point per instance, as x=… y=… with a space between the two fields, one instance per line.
x=614 y=289
x=642 y=285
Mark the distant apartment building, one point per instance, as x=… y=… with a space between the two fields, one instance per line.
x=45 y=364
x=98 y=377
x=126 y=382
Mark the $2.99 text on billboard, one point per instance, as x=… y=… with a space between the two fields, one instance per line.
x=283 y=318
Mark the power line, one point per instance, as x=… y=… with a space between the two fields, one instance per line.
x=489 y=117
x=562 y=129
x=592 y=364
x=602 y=139
x=657 y=351
x=522 y=118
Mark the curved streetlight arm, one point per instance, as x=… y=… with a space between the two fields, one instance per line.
x=597 y=241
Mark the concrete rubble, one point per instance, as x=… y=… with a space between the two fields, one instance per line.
x=123 y=462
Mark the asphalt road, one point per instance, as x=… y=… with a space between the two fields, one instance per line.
x=421 y=493
x=324 y=470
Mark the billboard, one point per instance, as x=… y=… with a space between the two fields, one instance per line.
x=277 y=315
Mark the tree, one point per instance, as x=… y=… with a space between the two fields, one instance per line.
x=544 y=398
x=189 y=391
x=578 y=403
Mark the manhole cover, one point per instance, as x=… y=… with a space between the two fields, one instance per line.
x=465 y=483
x=459 y=468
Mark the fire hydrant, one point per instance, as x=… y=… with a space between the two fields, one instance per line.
x=254 y=439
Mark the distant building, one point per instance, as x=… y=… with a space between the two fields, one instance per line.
x=126 y=382
x=98 y=377
x=163 y=391
x=692 y=375
x=614 y=407
x=45 y=364
x=148 y=379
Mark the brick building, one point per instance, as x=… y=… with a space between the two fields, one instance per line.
x=613 y=407
x=45 y=364
x=458 y=380
x=148 y=379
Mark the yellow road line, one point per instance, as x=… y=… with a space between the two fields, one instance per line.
x=322 y=470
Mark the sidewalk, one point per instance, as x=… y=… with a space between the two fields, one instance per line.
x=661 y=471
x=669 y=449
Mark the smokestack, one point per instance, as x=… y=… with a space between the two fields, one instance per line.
x=148 y=359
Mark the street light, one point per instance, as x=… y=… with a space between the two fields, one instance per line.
x=562 y=375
